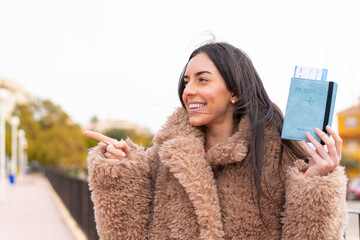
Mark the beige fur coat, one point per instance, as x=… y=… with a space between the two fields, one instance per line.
x=175 y=190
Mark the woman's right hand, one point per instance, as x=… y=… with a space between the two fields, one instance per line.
x=115 y=149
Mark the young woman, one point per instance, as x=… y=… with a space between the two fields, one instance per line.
x=218 y=168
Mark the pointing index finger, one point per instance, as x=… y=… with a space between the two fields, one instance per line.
x=99 y=137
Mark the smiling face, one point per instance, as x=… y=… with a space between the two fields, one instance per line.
x=206 y=97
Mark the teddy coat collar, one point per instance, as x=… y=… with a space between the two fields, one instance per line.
x=182 y=152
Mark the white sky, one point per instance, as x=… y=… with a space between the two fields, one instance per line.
x=122 y=59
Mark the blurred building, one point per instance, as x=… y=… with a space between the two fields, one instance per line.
x=109 y=123
x=17 y=94
x=349 y=131
x=17 y=91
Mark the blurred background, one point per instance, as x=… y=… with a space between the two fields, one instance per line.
x=113 y=67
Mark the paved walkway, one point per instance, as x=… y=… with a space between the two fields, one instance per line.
x=32 y=210
x=352 y=230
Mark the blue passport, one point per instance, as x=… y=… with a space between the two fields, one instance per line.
x=310 y=105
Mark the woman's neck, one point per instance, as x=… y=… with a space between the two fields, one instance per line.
x=217 y=134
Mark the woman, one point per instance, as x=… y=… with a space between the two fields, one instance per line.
x=218 y=168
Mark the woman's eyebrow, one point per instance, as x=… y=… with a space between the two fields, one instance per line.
x=198 y=73
x=202 y=72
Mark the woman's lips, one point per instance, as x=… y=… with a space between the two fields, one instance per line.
x=196 y=107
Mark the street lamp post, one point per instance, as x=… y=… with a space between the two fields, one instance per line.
x=21 y=134
x=14 y=121
x=25 y=156
x=4 y=95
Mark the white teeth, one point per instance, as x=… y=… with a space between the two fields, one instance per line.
x=196 y=105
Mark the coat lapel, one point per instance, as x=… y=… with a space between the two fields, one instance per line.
x=185 y=158
x=234 y=149
x=182 y=151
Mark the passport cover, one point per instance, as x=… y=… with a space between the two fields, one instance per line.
x=310 y=105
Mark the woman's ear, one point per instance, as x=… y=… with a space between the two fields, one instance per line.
x=234 y=98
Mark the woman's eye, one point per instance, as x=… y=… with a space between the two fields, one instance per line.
x=203 y=80
x=185 y=83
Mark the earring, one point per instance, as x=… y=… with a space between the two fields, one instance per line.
x=232 y=101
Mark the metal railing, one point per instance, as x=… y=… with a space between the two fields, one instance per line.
x=75 y=194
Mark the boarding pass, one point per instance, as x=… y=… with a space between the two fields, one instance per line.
x=310 y=73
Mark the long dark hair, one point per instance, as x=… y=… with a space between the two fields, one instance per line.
x=242 y=79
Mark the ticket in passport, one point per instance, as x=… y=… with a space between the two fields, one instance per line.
x=310 y=73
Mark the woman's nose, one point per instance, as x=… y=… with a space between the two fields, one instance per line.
x=189 y=89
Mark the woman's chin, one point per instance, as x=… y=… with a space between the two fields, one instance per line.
x=196 y=122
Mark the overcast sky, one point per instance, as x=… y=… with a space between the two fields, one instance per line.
x=122 y=59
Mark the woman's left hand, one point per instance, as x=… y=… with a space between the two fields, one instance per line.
x=322 y=161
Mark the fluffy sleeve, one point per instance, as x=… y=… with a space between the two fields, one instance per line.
x=315 y=208
x=122 y=193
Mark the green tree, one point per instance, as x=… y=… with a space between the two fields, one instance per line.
x=118 y=133
x=94 y=119
x=29 y=124
x=53 y=139
x=350 y=163
x=7 y=139
x=90 y=141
